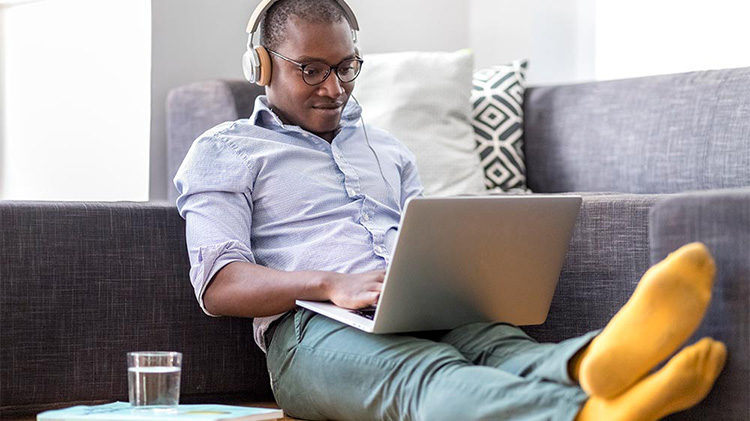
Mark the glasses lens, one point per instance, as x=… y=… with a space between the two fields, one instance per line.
x=315 y=73
x=348 y=70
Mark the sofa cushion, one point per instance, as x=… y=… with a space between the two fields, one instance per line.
x=497 y=119
x=423 y=99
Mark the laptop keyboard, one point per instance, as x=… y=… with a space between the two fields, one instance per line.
x=368 y=312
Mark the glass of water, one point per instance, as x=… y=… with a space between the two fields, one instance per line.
x=154 y=378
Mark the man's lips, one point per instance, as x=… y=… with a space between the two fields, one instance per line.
x=329 y=110
x=333 y=106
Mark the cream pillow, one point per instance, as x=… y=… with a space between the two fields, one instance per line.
x=422 y=98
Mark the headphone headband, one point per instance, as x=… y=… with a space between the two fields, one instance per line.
x=264 y=5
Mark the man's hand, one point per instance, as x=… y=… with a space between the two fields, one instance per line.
x=355 y=291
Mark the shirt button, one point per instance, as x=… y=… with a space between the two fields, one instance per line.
x=366 y=217
x=351 y=192
x=380 y=249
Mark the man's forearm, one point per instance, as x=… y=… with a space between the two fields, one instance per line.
x=250 y=290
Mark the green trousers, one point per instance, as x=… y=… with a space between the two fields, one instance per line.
x=322 y=369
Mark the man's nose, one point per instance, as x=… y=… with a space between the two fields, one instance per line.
x=332 y=87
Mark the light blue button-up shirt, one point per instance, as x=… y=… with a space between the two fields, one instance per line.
x=257 y=190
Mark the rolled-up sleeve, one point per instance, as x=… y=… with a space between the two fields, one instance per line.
x=215 y=186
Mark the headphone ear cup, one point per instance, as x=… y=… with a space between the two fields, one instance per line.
x=264 y=66
x=249 y=65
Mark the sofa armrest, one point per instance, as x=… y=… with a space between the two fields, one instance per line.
x=608 y=254
x=721 y=220
x=82 y=283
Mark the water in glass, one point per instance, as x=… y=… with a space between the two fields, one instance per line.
x=154 y=386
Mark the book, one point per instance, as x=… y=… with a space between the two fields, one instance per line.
x=124 y=411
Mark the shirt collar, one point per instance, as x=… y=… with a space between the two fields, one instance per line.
x=265 y=117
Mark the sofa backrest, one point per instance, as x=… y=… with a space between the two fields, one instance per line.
x=82 y=283
x=658 y=134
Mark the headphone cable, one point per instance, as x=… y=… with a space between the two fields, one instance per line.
x=380 y=167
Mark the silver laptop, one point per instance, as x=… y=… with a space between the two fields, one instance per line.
x=466 y=259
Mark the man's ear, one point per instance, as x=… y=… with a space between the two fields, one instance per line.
x=270 y=71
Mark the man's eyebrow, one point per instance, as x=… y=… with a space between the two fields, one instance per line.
x=305 y=59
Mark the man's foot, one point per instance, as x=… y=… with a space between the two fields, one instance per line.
x=682 y=383
x=666 y=308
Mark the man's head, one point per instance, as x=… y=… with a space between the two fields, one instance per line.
x=308 y=31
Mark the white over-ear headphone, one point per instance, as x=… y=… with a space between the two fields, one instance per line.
x=256 y=62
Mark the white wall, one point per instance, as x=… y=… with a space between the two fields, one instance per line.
x=670 y=36
x=2 y=100
x=408 y=25
x=76 y=100
x=556 y=36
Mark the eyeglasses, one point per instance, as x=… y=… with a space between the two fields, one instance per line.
x=316 y=72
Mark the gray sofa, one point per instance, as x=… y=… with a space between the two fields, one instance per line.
x=661 y=161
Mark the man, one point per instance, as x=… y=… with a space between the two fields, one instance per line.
x=293 y=204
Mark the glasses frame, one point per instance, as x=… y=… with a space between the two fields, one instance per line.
x=328 y=72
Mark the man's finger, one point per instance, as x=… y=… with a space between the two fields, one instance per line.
x=375 y=298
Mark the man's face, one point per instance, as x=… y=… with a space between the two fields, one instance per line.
x=318 y=108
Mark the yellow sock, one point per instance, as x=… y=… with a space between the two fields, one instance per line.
x=683 y=382
x=665 y=309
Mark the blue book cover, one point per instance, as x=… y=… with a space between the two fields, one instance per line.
x=124 y=411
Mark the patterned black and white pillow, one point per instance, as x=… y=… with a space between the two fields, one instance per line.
x=497 y=119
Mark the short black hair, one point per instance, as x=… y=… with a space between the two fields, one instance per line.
x=273 y=27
